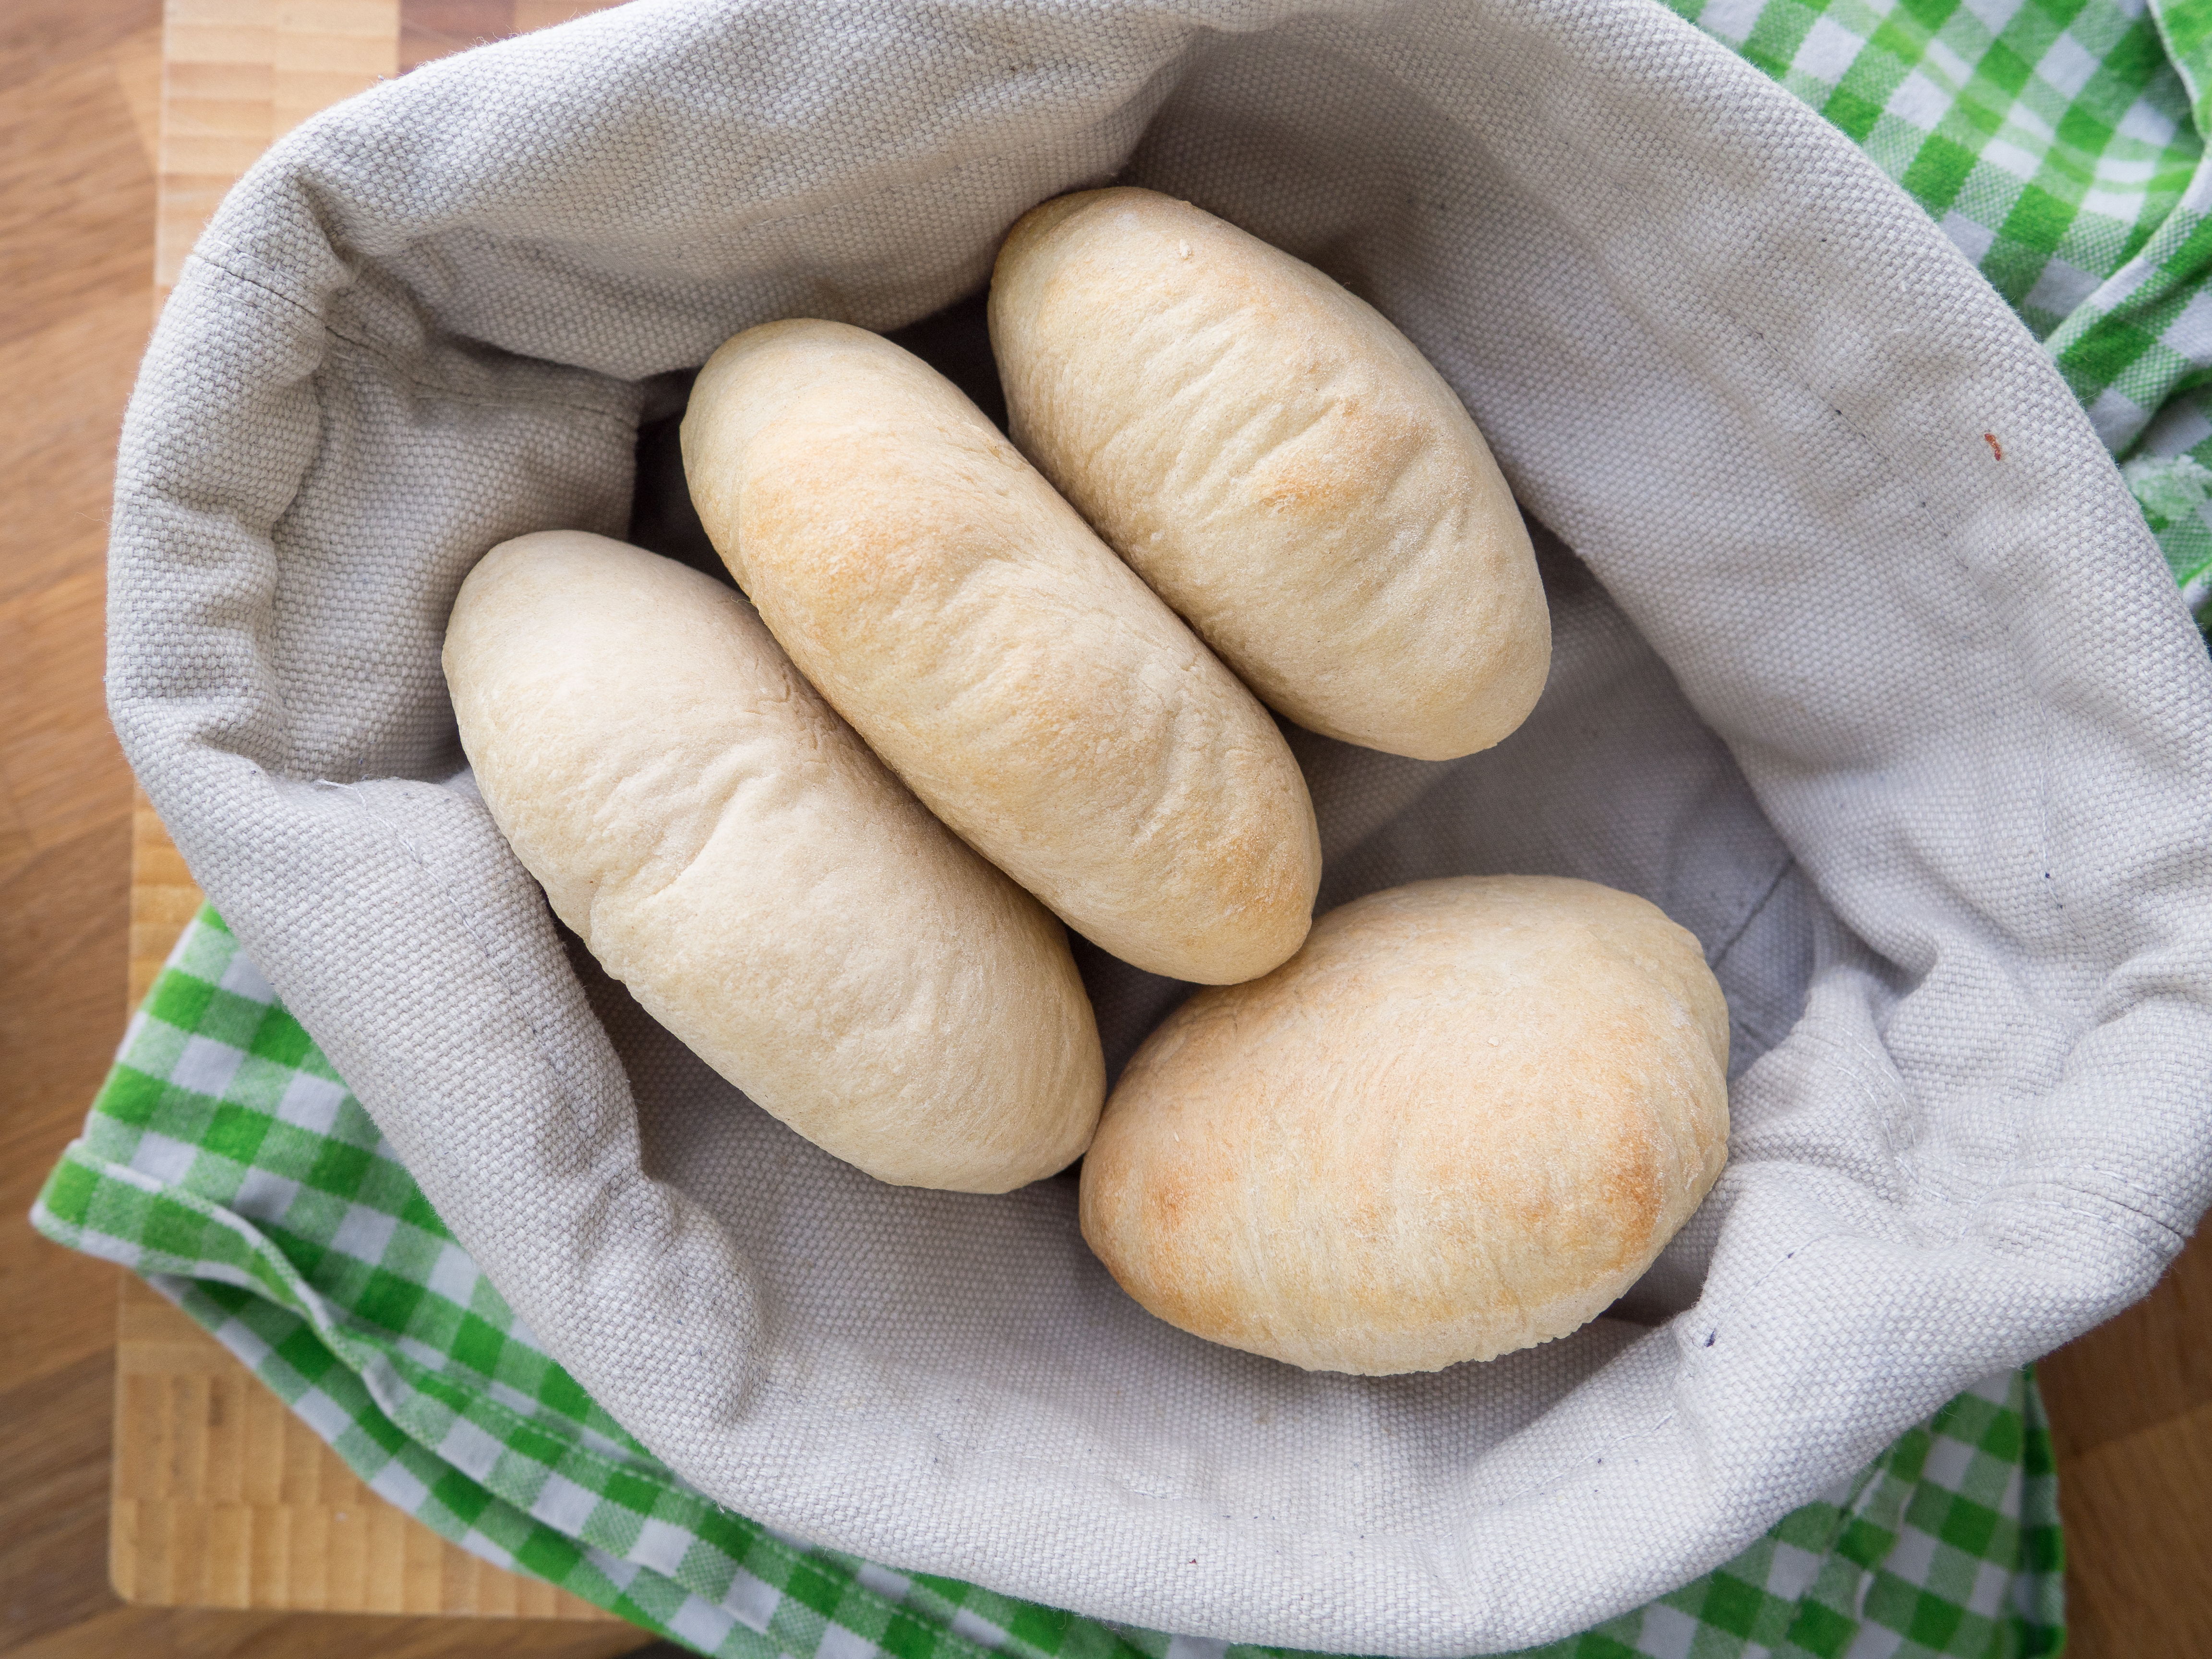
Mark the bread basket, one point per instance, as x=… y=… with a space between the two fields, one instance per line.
x=1866 y=669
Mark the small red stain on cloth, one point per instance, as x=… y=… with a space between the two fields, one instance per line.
x=1996 y=448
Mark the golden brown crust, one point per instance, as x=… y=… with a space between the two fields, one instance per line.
x=1022 y=682
x=1281 y=465
x=1460 y=1121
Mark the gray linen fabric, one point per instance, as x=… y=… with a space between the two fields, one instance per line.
x=1918 y=740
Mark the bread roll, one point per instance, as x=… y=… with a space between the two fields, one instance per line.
x=731 y=851
x=1460 y=1121
x=1281 y=465
x=1026 y=685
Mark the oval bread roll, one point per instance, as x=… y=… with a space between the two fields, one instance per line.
x=1460 y=1121
x=731 y=851
x=1026 y=685
x=1281 y=465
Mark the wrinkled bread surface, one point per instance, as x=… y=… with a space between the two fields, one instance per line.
x=731 y=851
x=1280 y=464
x=1017 y=675
x=1462 y=1120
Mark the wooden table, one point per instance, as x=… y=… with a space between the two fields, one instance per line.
x=92 y=114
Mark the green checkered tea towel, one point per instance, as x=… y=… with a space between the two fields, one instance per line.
x=2059 y=144
x=225 y=1160
x=2056 y=141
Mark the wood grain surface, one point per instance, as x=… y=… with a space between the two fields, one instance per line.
x=80 y=144
x=240 y=73
x=223 y=1498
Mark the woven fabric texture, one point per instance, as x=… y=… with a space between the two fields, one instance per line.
x=1868 y=671
x=2060 y=146
x=225 y=1159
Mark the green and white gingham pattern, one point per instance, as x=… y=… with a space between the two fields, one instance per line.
x=225 y=1159
x=1948 y=1543
x=2058 y=143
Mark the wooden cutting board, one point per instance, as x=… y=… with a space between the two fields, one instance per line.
x=221 y=1497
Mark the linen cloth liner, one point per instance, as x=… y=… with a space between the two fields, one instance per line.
x=1672 y=297
x=224 y=1158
